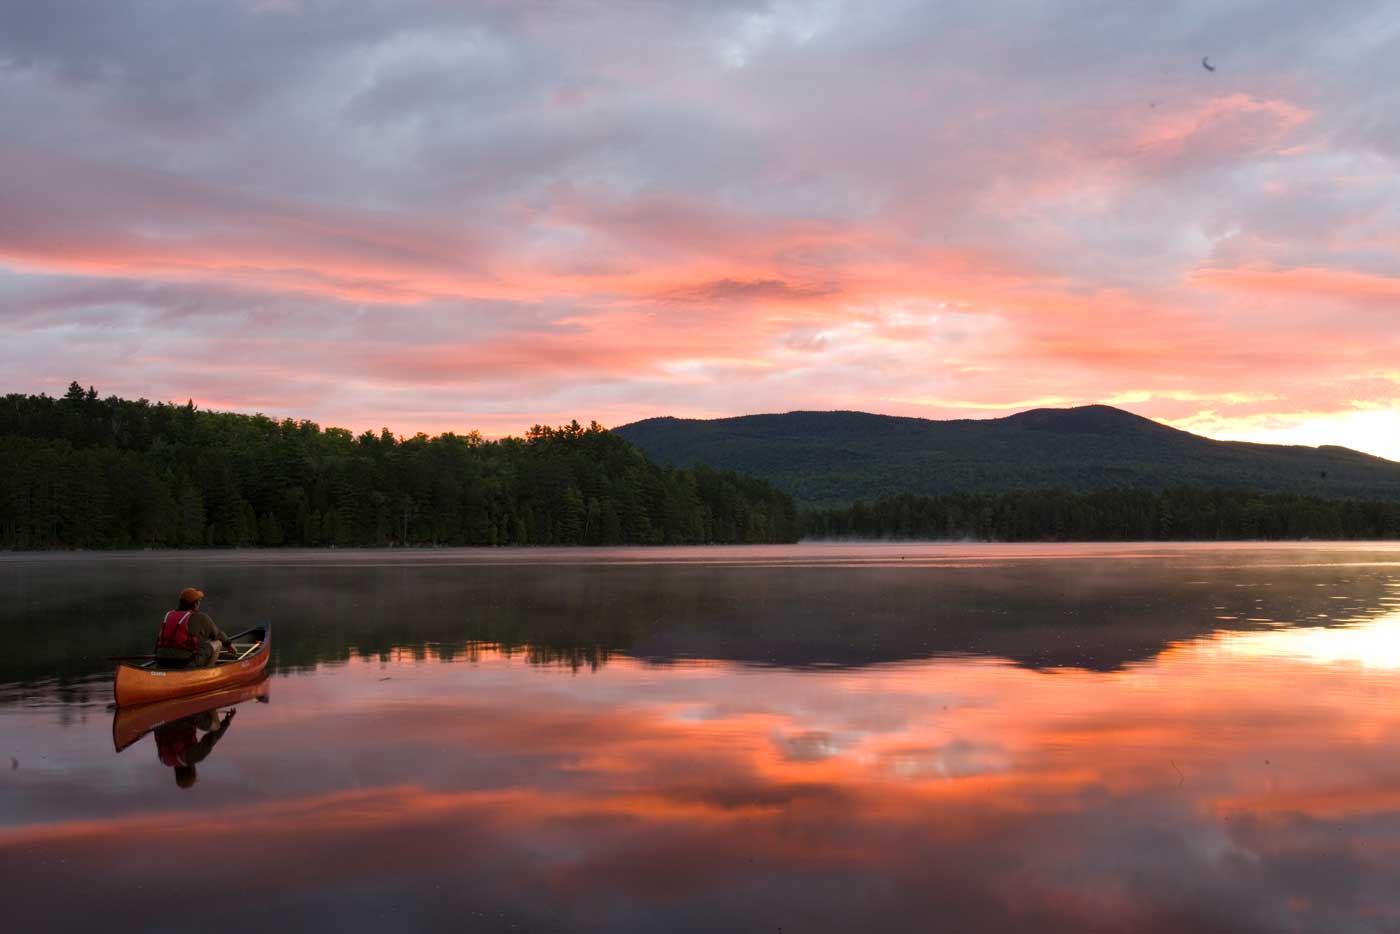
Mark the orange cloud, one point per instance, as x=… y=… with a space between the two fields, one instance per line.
x=1341 y=284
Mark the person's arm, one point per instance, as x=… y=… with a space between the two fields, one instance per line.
x=200 y=750
x=214 y=631
x=206 y=630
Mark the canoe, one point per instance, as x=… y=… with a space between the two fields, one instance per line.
x=131 y=723
x=145 y=683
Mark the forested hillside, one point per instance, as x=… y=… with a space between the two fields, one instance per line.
x=88 y=472
x=832 y=459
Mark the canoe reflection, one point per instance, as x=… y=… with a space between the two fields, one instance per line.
x=186 y=728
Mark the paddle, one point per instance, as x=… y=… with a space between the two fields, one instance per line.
x=228 y=646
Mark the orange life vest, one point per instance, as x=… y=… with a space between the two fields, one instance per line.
x=175 y=632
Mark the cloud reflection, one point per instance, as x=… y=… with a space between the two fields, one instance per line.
x=1234 y=783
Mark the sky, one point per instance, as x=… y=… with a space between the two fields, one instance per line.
x=436 y=216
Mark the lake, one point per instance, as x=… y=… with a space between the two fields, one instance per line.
x=799 y=738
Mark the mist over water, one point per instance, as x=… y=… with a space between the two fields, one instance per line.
x=816 y=737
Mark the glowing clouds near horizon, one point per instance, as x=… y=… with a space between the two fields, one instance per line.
x=441 y=218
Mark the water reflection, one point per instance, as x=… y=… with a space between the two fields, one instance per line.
x=185 y=729
x=1236 y=780
x=186 y=742
x=806 y=606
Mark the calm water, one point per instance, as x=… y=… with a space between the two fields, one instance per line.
x=807 y=738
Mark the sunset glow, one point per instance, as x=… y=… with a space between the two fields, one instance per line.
x=439 y=217
x=725 y=772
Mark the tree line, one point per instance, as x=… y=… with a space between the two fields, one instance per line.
x=1178 y=514
x=81 y=471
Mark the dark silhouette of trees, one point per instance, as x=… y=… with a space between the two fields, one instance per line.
x=86 y=472
x=1177 y=514
x=81 y=471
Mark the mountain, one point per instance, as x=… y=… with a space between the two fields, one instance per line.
x=833 y=458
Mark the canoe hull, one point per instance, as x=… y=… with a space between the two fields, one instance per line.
x=129 y=724
x=134 y=685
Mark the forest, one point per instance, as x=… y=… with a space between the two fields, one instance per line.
x=831 y=459
x=1176 y=514
x=87 y=472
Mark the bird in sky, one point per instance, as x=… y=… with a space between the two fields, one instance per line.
x=1206 y=63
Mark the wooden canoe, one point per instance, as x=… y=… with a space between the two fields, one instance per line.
x=131 y=723
x=145 y=683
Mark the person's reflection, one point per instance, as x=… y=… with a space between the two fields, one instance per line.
x=182 y=748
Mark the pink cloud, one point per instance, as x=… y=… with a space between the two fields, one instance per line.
x=1223 y=126
x=1310 y=282
x=66 y=215
x=609 y=219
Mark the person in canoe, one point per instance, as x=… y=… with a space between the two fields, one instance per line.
x=189 y=638
x=180 y=746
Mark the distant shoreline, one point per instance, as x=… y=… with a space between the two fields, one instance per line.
x=810 y=543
